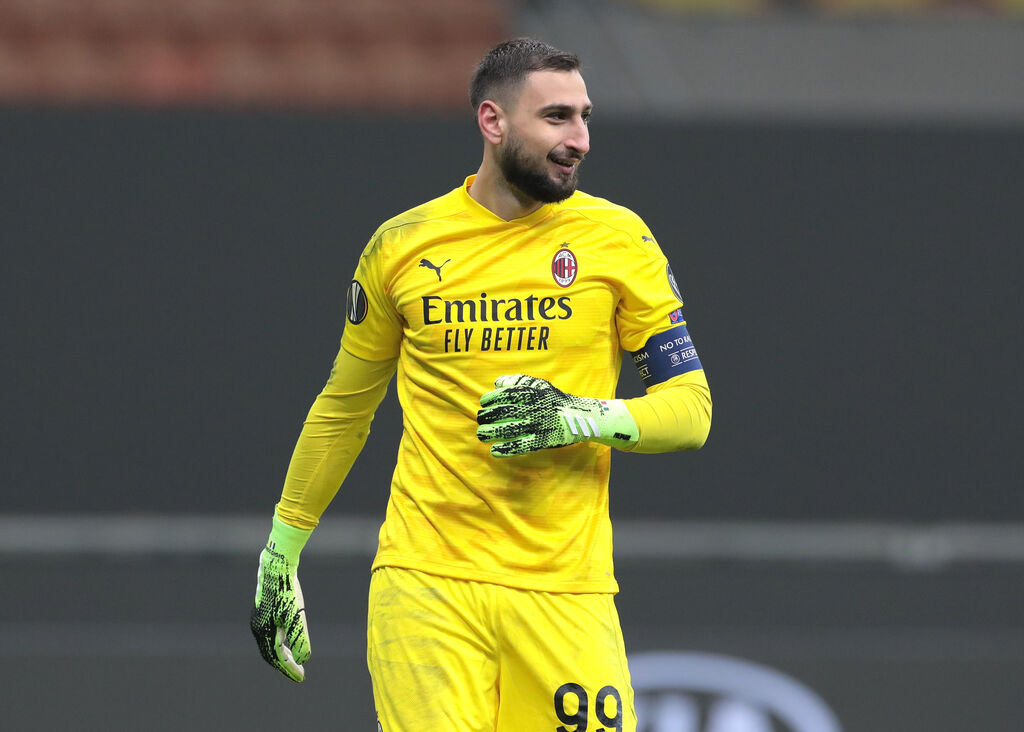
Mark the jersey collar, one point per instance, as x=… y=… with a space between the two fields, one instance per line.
x=483 y=212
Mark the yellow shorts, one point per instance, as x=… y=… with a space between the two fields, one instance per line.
x=447 y=654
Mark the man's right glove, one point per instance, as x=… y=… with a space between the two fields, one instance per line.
x=278 y=620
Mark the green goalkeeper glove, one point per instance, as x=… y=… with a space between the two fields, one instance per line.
x=524 y=414
x=278 y=621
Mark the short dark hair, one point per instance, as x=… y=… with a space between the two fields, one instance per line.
x=506 y=65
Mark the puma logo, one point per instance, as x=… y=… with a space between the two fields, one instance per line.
x=437 y=268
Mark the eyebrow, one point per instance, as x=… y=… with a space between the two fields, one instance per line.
x=561 y=107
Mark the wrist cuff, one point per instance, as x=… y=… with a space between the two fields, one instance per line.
x=288 y=540
x=618 y=427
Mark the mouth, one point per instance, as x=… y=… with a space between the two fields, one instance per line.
x=566 y=166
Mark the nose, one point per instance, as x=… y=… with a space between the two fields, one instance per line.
x=579 y=138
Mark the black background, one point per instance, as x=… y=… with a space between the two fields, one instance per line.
x=173 y=295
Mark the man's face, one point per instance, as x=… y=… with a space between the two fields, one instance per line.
x=547 y=136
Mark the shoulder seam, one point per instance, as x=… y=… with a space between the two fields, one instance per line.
x=382 y=231
x=605 y=223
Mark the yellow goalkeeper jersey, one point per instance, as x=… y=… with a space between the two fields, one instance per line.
x=462 y=297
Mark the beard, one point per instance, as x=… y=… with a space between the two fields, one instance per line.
x=533 y=180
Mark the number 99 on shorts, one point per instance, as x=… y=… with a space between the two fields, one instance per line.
x=577 y=712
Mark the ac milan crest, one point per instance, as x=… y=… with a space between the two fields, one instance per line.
x=564 y=267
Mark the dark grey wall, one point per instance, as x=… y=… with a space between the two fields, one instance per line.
x=173 y=285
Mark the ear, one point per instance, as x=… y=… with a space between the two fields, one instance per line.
x=491 y=119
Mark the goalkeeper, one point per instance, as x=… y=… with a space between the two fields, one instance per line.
x=505 y=307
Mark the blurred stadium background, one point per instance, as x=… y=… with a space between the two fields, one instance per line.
x=838 y=183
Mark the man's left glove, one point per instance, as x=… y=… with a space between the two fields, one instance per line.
x=278 y=620
x=524 y=414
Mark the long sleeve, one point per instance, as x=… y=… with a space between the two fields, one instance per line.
x=332 y=437
x=675 y=415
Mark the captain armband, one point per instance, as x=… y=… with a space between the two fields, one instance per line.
x=665 y=355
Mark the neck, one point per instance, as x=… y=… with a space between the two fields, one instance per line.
x=493 y=192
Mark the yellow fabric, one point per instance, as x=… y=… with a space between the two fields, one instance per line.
x=461 y=297
x=675 y=415
x=332 y=436
x=439 y=648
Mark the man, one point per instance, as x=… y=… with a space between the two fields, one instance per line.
x=505 y=306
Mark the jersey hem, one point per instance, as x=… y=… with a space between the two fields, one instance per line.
x=599 y=586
